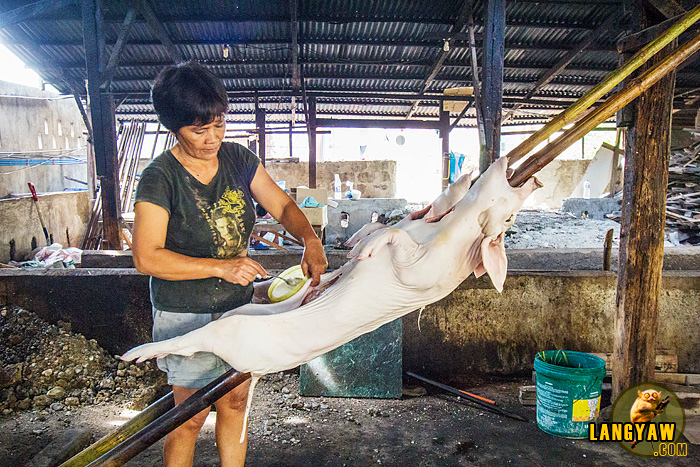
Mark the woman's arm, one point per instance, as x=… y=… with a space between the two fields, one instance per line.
x=285 y=210
x=152 y=258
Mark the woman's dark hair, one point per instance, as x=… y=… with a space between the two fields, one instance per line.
x=188 y=94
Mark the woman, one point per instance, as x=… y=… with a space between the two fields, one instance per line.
x=194 y=214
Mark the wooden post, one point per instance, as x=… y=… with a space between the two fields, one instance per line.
x=445 y=139
x=103 y=124
x=492 y=89
x=643 y=220
x=260 y=127
x=311 y=129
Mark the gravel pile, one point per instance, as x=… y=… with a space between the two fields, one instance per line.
x=556 y=229
x=47 y=367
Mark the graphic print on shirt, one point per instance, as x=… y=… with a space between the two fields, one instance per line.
x=225 y=220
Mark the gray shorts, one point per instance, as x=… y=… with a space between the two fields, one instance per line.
x=197 y=370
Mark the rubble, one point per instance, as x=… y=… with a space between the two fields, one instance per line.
x=48 y=367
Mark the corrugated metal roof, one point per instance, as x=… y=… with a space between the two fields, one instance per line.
x=382 y=46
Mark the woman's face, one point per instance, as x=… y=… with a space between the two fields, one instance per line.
x=202 y=141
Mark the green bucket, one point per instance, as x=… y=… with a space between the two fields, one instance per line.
x=569 y=386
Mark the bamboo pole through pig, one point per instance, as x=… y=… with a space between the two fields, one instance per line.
x=630 y=92
x=588 y=99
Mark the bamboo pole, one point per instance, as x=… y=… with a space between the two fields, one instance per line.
x=175 y=417
x=630 y=92
x=588 y=99
x=141 y=420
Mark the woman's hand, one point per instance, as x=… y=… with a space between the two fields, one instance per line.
x=314 y=262
x=239 y=270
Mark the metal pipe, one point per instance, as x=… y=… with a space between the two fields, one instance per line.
x=135 y=424
x=172 y=419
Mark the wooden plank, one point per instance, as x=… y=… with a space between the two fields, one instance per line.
x=668 y=8
x=445 y=143
x=492 y=89
x=118 y=47
x=159 y=29
x=666 y=361
x=689 y=379
x=643 y=217
x=311 y=128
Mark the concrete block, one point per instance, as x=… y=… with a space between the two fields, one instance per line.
x=360 y=213
x=595 y=208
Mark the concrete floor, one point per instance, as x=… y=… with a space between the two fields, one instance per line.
x=431 y=430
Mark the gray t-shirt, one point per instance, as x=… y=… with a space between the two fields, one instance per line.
x=206 y=221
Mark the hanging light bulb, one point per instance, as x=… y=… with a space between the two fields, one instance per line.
x=446 y=45
x=226 y=51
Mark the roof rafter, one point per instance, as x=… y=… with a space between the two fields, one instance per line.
x=464 y=14
x=159 y=29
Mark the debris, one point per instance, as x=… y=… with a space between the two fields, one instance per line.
x=45 y=365
x=528 y=395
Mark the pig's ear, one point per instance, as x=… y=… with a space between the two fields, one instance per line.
x=494 y=261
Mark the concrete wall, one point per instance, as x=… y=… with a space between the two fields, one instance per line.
x=474 y=329
x=560 y=178
x=65 y=216
x=477 y=329
x=375 y=179
x=33 y=125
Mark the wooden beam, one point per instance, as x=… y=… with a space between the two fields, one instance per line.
x=461 y=115
x=445 y=145
x=647 y=153
x=377 y=123
x=30 y=11
x=442 y=55
x=637 y=40
x=476 y=83
x=103 y=124
x=260 y=127
x=296 y=72
x=311 y=128
x=159 y=29
x=118 y=47
x=614 y=78
x=550 y=74
x=549 y=45
x=492 y=89
x=668 y=8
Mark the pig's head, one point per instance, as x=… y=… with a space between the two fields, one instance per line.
x=498 y=204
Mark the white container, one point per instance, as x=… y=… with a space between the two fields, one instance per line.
x=586 y=189
x=337 y=188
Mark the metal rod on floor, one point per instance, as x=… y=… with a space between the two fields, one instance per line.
x=172 y=419
x=459 y=393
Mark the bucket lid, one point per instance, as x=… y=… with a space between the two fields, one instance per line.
x=279 y=290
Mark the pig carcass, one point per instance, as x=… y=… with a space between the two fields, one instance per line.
x=392 y=271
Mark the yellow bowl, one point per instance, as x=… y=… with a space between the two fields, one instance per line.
x=279 y=290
